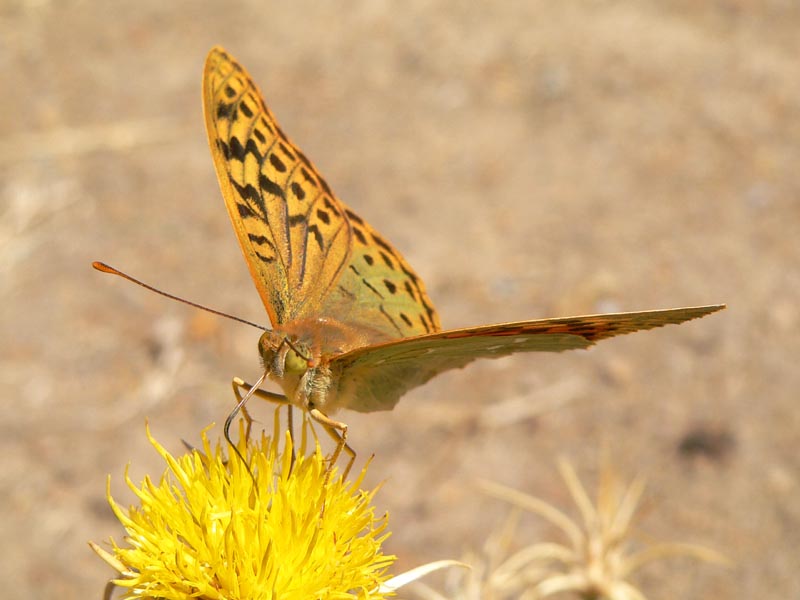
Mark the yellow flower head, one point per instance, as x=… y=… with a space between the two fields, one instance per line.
x=212 y=529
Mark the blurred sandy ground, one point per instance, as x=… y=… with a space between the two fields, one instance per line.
x=530 y=158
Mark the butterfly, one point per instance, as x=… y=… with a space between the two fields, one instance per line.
x=352 y=324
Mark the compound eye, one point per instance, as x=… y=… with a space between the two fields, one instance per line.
x=295 y=363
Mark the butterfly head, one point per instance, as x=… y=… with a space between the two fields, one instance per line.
x=282 y=356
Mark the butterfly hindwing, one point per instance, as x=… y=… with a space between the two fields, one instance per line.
x=374 y=378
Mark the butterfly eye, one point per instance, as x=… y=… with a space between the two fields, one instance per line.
x=295 y=363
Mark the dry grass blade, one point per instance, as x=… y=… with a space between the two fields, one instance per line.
x=594 y=564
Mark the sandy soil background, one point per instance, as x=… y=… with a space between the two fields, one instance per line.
x=530 y=159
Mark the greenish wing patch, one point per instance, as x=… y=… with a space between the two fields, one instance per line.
x=378 y=290
x=375 y=378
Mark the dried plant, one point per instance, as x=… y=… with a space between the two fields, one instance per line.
x=595 y=562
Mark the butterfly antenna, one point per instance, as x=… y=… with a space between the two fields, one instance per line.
x=100 y=266
x=289 y=343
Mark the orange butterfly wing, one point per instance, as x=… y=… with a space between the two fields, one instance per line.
x=309 y=255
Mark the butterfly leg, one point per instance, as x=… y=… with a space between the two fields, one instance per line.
x=338 y=431
x=239 y=384
x=263 y=394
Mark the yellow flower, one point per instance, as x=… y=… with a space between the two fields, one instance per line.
x=212 y=529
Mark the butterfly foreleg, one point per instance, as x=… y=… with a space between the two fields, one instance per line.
x=263 y=394
x=338 y=432
x=239 y=384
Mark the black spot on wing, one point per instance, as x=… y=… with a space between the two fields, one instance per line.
x=248 y=192
x=354 y=217
x=266 y=125
x=286 y=151
x=369 y=260
x=425 y=323
x=391 y=320
x=360 y=235
x=245 y=212
x=323 y=216
x=330 y=205
x=260 y=136
x=264 y=258
x=252 y=148
x=276 y=162
x=366 y=283
x=224 y=111
x=390 y=286
x=314 y=230
x=415 y=282
x=258 y=239
x=371 y=287
x=429 y=310
x=410 y=275
x=406 y=320
x=261 y=240
x=382 y=243
x=269 y=186
x=387 y=261
x=223 y=147
x=237 y=151
x=307 y=176
x=297 y=190
x=248 y=112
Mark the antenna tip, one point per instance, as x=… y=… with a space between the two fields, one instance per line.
x=101 y=266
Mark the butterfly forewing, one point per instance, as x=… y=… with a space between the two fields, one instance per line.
x=310 y=256
x=294 y=237
x=374 y=378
